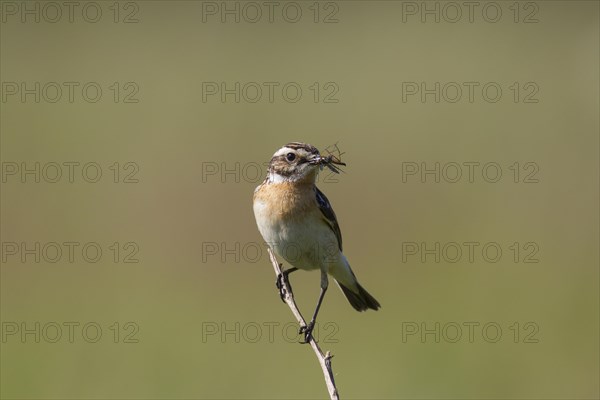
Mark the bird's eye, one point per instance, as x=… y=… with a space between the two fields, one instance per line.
x=290 y=157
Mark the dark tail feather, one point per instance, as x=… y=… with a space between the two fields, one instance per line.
x=361 y=301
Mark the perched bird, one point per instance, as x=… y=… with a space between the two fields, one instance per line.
x=296 y=220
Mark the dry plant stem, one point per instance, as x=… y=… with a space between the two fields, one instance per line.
x=324 y=359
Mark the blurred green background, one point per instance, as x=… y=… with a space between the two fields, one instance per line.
x=200 y=290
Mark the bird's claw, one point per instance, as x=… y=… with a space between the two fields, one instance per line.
x=307 y=331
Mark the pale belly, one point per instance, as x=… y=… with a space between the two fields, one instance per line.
x=305 y=241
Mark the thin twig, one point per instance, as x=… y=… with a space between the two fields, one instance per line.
x=324 y=359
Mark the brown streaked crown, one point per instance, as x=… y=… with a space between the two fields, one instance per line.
x=309 y=148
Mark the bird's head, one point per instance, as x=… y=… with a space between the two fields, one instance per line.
x=300 y=162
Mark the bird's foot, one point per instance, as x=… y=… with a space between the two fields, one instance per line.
x=307 y=331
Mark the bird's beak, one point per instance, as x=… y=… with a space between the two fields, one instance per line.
x=315 y=160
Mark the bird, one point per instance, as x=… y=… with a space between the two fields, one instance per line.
x=297 y=222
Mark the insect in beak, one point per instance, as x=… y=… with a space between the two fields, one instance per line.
x=330 y=162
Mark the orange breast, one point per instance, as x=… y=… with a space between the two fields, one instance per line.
x=288 y=200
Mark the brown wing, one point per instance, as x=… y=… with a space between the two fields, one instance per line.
x=329 y=215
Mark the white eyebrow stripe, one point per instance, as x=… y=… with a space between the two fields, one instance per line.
x=283 y=150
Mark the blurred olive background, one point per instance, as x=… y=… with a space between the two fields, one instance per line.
x=179 y=213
